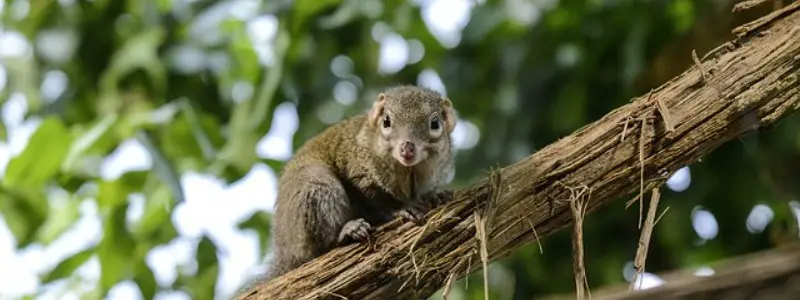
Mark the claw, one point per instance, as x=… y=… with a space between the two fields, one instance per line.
x=412 y=213
x=355 y=230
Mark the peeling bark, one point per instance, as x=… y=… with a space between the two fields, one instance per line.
x=772 y=274
x=740 y=87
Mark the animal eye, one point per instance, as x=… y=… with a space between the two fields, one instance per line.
x=386 y=122
x=435 y=123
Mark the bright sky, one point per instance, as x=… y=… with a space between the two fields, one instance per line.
x=204 y=210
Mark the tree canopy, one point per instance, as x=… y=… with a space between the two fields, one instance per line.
x=214 y=95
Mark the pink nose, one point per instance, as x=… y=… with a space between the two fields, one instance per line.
x=407 y=150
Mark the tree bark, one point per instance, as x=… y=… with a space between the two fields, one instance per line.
x=772 y=274
x=740 y=87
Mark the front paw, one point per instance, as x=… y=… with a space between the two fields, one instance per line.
x=413 y=213
x=438 y=198
x=355 y=230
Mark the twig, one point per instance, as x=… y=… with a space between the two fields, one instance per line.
x=469 y=268
x=480 y=233
x=644 y=237
x=578 y=207
x=641 y=170
x=704 y=74
x=747 y=4
x=700 y=67
x=533 y=228
x=661 y=215
x=411 y=252
x=483 y=219
x=669 y=124
x=335 y=295
x=448 y=285
x=624 y=129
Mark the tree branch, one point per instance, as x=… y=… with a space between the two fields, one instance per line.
x=738 y=88
x=771 y=274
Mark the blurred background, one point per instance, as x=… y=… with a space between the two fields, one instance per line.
x=140 y=140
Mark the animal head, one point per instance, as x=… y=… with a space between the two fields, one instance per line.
x=412 y=124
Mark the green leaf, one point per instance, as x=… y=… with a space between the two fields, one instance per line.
x=155 y=225
x=24 y=214
x=146 y=281
x=203 y=283
x=3 y=130
x=16 y=221
x=248 y=116
x=25 y=74
x=36 y=16
x=111 y=194
x=304 y=9
x=138 y=52
x=42 y=158
x=73 y=183
x=63 y=214
x=163 y=234
x=344 y=14
x=116 y=250
x=206 y=253
x=87 y=140
x=682 y=12
x=163 y=167
x=180 y=141
x=241 y=48
x=269 y=87
x=200 y=135
x=68 y=266
x=147 y=118
x=164 y=6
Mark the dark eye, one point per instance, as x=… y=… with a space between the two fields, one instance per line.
x=386 y=122
x=435 y=123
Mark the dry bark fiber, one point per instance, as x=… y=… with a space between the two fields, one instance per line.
x=770 y=275
x=738 y=88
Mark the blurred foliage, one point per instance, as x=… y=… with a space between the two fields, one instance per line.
x=190 y=81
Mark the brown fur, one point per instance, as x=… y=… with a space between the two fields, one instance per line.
x=349 y=179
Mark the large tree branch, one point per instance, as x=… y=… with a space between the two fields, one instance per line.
x=744 y=85
x=771 y=274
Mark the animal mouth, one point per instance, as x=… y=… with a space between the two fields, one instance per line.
x=407 y=160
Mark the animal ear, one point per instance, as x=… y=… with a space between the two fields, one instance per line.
x=449 y=114
x=377 y=109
